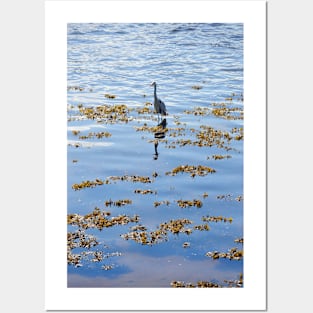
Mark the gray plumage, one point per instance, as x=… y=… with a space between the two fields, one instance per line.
x=159 y=105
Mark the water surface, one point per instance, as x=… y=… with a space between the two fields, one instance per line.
x=199 y=73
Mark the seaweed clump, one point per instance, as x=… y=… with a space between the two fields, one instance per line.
x=159 y=235
x=200 y=170
x=231 y=254
x=99 y=219
x=189 y=203
x=236 y=283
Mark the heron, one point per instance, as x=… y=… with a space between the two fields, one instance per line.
x=159 y=105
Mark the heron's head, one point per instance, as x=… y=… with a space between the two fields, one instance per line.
x=153 y=84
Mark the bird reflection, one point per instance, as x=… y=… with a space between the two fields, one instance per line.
x=160 y=134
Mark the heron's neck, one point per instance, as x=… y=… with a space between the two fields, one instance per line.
x=155 y=91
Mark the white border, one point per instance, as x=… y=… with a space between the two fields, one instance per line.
x=253 y=295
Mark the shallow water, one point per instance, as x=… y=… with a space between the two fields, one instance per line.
x=199 y=73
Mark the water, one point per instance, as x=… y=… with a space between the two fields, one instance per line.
x=199 y=73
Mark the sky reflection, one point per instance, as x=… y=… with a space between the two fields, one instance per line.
x=148 y=271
